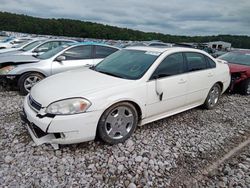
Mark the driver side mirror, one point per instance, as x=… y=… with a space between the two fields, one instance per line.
x=60 y=58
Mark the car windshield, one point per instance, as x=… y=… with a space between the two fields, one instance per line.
x=31 y=45
x=127 y=64
x=240 y=58
x=52 y=52
x=21 y=44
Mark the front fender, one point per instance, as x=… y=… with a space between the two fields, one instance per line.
x=103 y=101
x=30 y=67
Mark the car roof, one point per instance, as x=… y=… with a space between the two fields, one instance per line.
x=163 y=49
x=49 y=40
x=241 y=51
x=93 y=43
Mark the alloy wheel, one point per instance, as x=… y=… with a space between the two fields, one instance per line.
x=119 y=122
x=30 y=82
x=214 y=96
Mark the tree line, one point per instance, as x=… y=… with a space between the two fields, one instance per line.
x=83 y=29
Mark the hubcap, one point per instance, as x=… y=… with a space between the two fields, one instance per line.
x=30 y=82
x=119 y=122
x=213 y=96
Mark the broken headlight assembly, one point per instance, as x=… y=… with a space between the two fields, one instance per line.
x=7 y=69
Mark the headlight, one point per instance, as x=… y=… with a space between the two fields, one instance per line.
x=68 y=106
x=7 y=69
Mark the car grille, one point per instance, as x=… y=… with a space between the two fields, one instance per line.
x=35 y=105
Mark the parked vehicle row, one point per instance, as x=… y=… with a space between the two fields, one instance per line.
x=19 y=46
x=131 y=87
x=37 y=47
x=12 y=42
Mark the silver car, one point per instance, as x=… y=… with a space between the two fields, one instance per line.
x=20 y=46
x=26 y=71
x=38 y=47
x=9 y=43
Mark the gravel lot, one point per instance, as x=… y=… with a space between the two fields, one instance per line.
x=167 y=153
x=233 y=173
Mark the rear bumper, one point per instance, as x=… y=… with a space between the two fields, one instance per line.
x=63 y=129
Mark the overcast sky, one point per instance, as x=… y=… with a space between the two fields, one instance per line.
x=177 y=17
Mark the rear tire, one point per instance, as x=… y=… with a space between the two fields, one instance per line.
x=117 y=123
x=245 y=87
x=27 y=81
x=213 y=97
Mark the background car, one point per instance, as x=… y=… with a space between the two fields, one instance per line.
x=11 y=42
x=218 y=53
x=19 y=46
x=149 y=43
x=239 y=64
x=26 y=71
x=131 y=87
x=38 y=47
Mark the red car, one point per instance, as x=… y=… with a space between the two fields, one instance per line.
x=239 y=64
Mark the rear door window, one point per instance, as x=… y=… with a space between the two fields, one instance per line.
x=211 y=63
x=78 y=53
x=195 y=61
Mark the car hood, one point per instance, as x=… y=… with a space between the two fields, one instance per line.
x=13 y=52
x=238 y=68
x=3 y=51
x=15 y=59
x=76 y=83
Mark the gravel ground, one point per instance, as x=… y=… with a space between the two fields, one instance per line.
x=233 y=173
x=166 y=153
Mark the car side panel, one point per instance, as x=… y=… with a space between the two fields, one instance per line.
x=173 y=90
x=43 y=67
x=103 y=100
x=58 y=67
x=199 y=84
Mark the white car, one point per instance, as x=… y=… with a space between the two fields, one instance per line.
x=19 y=46
x=131 y=87
x=38 y=47
x=9 y=43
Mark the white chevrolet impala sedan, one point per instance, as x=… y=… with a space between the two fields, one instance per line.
x=129 y=88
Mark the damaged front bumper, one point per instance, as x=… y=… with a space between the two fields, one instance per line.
x=8 y=80
x=60 y=129
x=37 y=135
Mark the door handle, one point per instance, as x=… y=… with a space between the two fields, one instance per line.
x=182 y=81
x=210 y=74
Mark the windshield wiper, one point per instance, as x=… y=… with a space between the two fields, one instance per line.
x=110 y=74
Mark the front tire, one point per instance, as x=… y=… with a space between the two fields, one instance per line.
x=245 y=87
x=117 y=123
x=27 y=81
x=213 y=97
